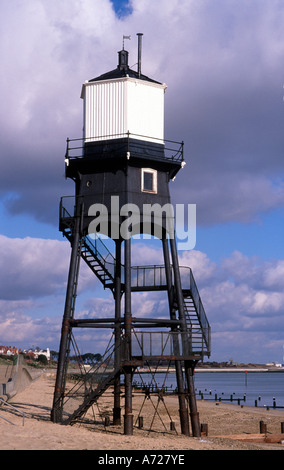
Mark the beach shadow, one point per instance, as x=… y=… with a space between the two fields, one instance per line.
x=38 y=412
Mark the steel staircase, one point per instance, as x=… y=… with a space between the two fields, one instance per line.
x=197 y=324
x=91 y=252
x=91 y=385
x=102 y=266
x=150 y=278
x=91 y=397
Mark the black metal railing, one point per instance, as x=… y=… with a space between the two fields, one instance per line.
x=154 y=277
x=162 y=345
x=93 y=247
x=81 y=147
x=200 y=311
x=148 y=277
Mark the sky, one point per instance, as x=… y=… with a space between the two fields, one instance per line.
x=223 y=63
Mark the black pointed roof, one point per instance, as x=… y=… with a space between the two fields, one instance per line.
x=123 y=70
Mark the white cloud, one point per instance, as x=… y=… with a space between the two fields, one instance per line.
x=274 y=275
x=203 y=268
x=147 y=254
x=31 y=268
x=23 y=326
x=223 y=68
x=268 y=303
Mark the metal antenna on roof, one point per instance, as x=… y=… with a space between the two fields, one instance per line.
x=125 y=37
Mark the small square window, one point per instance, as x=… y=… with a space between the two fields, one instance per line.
x=149 y=180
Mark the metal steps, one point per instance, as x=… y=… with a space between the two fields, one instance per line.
x=102 y=267
x=198 y=326
x=153 y=278
x=89 y=386
x=92 y=397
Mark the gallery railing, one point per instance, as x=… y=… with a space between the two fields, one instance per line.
x=115 y=143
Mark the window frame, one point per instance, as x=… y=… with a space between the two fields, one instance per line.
x=155 y=180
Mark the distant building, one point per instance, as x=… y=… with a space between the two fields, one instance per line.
x=33 y=353
x=9 y=350
x=43 y=352
x=274 y=364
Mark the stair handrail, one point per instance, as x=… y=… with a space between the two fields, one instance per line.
x=103 y=363
x=200 y=310
x=92 y=390
x=97 y=246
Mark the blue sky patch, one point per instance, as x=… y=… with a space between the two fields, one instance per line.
x=122 y=7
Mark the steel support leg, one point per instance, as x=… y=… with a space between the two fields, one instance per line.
x=194 y=415
x=128 y=417
x=188 y=370
x=117 y=297
x=57 y=409
x=184 y=422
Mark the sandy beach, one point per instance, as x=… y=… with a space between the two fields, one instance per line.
x=227 y=426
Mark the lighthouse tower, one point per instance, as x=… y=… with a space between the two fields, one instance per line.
x=122 y=168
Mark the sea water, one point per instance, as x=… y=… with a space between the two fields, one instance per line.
x=261 y=389
x=258 y=388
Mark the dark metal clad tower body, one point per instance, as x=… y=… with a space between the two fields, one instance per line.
x=121 y=169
